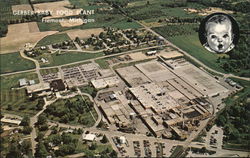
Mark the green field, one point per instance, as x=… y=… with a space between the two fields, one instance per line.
x=10 y=81
x=43 y=1
x=156 y=10
x=79 y=4
x=16 y=98
x=13 y=62
x=56 y=38
x=177 y=30
x=100 y=20
x=48 y=71
x=6 y=10
x=54 y=26
x=191 y=44
x=103 y=63
x=66 y=58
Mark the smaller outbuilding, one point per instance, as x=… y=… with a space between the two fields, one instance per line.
x=89 y=137
x=22 y=82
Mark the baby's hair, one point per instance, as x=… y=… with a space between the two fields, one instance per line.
x=218 y=19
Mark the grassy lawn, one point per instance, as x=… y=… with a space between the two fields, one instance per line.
x=16 y=98
x=103 y=63
x=12 y=62
x=48 y=71
x=191 y=45
x=56 y=38
x=18 y=101
x=12 y=81
x=61 y=59
x=72 y=111
x=82 y=147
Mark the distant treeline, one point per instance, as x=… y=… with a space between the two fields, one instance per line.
x=242 y=6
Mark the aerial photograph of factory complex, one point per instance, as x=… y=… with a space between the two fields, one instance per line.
x=123 y=78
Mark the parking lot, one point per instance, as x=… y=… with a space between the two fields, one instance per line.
x=135 y=147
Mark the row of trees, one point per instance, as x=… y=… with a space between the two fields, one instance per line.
x=242 y=6
x=236 y=122
x=177 y=30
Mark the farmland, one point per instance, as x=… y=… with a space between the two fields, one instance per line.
x=6 y=15
x=57 y=38
x=176 y=30
x=66 y=58
x=12 y=62
x=15 y=40
x=158 y=9
x=101 y=20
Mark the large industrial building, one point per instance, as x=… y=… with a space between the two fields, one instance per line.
x=170 y=96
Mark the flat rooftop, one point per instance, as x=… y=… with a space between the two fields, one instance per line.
x=200 y=80
x=155 y=71
x=132 y=76
x=152 y=96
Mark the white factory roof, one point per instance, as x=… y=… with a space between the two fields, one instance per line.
x=104 y=82
x=89 y=137
x=38 y=87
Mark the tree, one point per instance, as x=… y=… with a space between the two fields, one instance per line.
x=66 y=149
x=41 y=120
x=113 y=154
x=203 y=150
x=41 y=150
x=104 y=139
x=25 y=147
x=9 y=107
x=25 y=121
x=14 y=151
x=56 y=139
x=39 y=105
x=27 y=130
x=93 y=146
x=66 y=138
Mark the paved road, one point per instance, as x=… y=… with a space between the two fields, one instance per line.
x=37 y=69
x=77 y=62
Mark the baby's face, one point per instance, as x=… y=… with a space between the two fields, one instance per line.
x=219 y=36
